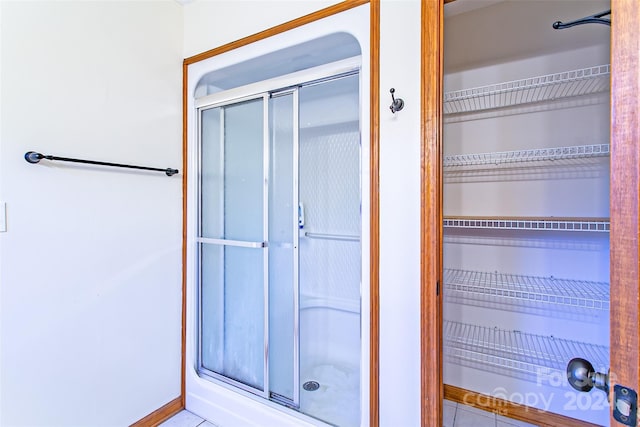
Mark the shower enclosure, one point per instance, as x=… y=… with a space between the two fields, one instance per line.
x=278 y=266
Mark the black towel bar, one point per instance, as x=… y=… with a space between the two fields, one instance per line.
x=33 y=157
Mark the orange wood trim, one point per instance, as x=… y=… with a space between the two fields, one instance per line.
x=161 y=414
x=509 y=409
x=183 y=342
x=374 y=268
x=431 y=211
x=303 y=20
x=625 y=195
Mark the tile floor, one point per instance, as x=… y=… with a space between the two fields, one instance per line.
x=186 y=419
x=455 y=415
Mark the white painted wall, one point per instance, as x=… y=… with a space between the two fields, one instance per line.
x=213 y=23
x=90 y=274
x=400 y=214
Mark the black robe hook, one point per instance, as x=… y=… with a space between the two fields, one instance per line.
x=397 y=104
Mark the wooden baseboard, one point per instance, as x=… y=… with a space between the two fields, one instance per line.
x=509 y=409
x=161 y=414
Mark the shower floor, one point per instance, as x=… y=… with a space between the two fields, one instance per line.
x=337 y=400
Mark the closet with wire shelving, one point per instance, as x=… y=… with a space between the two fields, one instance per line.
x=526 y=123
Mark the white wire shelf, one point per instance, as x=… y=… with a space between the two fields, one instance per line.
x=538 y=224
x=517 y=351
x=545 y=290
x=531 y=155
x=530 y=90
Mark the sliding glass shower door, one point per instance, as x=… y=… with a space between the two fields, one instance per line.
x=283 y=353
x=248 y=245
x=258 y=288
x=233 y=250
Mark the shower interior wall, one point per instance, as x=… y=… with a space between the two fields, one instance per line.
x=330 y=269
x=329 y=158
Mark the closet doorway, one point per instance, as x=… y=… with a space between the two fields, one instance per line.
x=536 y=254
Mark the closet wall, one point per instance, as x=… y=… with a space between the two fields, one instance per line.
x=526 y=191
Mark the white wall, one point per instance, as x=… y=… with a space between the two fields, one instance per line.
x=400 y=215
x=213 y=23
x=90 y=274
x=209 y=24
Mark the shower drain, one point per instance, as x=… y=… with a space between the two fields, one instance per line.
x=311 y=386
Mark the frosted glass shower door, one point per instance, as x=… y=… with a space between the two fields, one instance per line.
x=255 y=153
x=232 y=236
x=249 y=245
x=283 y=248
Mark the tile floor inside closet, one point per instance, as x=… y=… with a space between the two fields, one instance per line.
x=457 y=415
x=454 y=415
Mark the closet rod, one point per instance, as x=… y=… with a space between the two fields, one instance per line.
x=593 y=19
x=33 y=157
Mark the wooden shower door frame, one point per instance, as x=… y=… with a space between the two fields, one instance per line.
x=374 y=164
x=624 y=204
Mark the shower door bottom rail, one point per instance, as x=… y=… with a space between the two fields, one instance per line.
x=282 y=400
